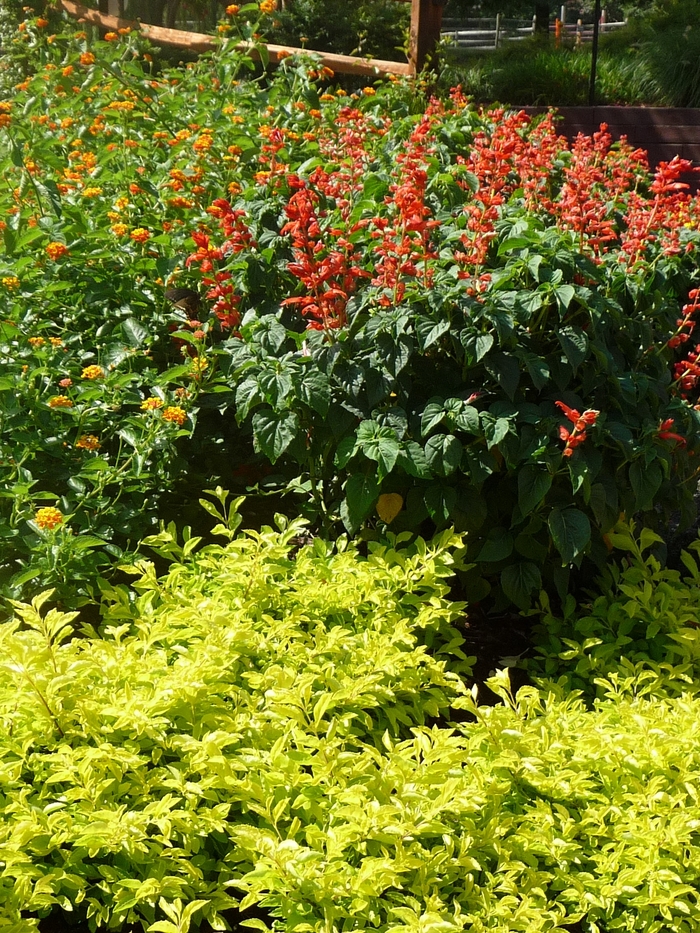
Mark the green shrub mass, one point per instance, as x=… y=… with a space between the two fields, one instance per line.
x=252 y=728
x=398 y=295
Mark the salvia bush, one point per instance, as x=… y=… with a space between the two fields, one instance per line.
x=250 y=729
x=422 y=314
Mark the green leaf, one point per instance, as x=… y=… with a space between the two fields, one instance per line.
x=443 y=453
x=495 y=429
x=412 y=459
x=570 y=530
x=344 y=452
x=380 y=444
x=534 y=483
x=361 y=492
x=645 y=480
x=538 y=370
x=519 y=581
x=574 y=343
x=134 y=332
x=506 y=370
x=432 y=415
x=427 y=331
x=564 y=295
x=273 y=432
x=440 y=502
x=275 y=384
x=315 y=390
x=467 y=419
x=497 y=546
x=247 y=395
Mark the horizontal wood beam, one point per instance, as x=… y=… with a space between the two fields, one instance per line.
x=201 y=42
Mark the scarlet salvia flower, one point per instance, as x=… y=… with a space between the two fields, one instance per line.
x=580 y=422
x=666 y=434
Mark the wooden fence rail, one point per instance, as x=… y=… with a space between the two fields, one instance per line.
x=426 y=20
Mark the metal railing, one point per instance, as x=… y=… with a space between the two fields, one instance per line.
x=491 y=33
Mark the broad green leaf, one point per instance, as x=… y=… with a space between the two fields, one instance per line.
x=645 y=480
x=427 y=331
x=379 y=444
x=440 y=502
x=412 y=459
x=571 y=531
x=564 y=295
x=574 y=343
x=534 y=482
x=520 y=581
x=432 y=415
x=497 y=546
x=361 y=493
x=273 y=432
x=315 y=390
x=443 y=453
x=495 y=429
x=248 y=394
x=506 y=370
x=134 y=331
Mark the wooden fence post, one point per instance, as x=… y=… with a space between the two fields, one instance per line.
x=426 y=21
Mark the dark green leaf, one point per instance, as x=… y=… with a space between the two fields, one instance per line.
x=134 y=332
x=440 y=502
x=443 y=453
x=432 y=415
x=645 y=480
x=570 y=530
x=495 y=429
x=412 y=459
x=247 y=395
x=361 y=492
x=497 y=546
x=534 y=483
x=520 y=581
x=574 y=343
x=380 y=444
x=506 y=371
x=273 y=432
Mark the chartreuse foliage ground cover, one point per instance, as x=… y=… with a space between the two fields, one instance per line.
x=414 y=314
x=267 y=726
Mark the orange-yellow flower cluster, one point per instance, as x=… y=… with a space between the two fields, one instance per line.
x=140 y=235
x=60 y=401
x=48 y=518
x=88 y=442
x=92 y=372
x=152 y=404
x=175 y=414
x=55 y=250
x=10 y=282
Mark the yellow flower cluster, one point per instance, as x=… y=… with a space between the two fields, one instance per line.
x=48 y=518
x=60 y=401
x=88 y=442
x=175 y=414
x=152 y=404
x=92 y=372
